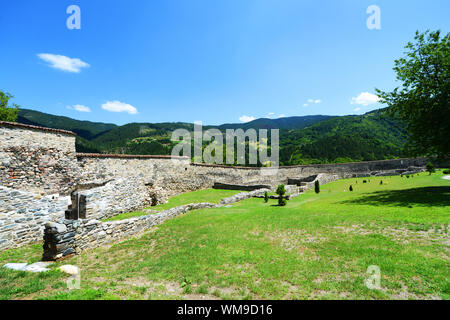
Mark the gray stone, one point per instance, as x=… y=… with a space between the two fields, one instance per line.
x=15 y=266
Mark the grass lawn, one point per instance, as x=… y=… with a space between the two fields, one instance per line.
x=317 y=247
x=208 y=195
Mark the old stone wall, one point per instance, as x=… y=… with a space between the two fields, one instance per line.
x=37 y=160
x=37 y=165
x=65 y=237
x=23 y=215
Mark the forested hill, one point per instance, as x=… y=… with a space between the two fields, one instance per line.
x=280 y=123
x=303 y=140
x=85 y=129
x=371 y=136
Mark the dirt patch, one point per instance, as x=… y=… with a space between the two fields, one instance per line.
x=293 y=240
x=400 y=235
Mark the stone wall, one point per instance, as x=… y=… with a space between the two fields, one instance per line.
x=37 y=159
x=66 y=237
x=23 y=215
x=36 y=166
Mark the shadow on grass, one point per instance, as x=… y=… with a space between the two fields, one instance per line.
x=424 y=196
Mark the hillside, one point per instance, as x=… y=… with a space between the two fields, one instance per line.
x=85 y=129
x=303 y=140
x=280 y=123
x=343 y=139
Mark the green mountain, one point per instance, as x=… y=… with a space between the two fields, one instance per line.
x=281 y=123
x=85 y=129
x=303 y=140
x=371 y=136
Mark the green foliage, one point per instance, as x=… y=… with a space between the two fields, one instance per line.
x=303 y=140
x=422 y=101
x=7 y=112
x=317 y=186
x=381 y=182
x=351 y=188
x=446 y=171
x=430 y=168
x=85 y=129
x=367 y=137
x=266 y=197
x=281 y=191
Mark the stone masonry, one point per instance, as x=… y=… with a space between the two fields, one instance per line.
x=41 y=174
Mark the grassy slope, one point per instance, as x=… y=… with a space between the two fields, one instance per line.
x=319 y=246
x=210 y=195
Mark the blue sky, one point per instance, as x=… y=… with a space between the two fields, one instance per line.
x=208 y=60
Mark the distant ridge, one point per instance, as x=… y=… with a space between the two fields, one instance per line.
x=297 y=122
x=303 y=139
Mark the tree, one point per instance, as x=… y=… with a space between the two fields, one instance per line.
x=317 y=186
x=430 y=168
x=7 y=113
x=422 y=101
x=281 y=191
x=266 y=197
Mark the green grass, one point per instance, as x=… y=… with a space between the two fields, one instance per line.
x=317 y=247
x=208 y=195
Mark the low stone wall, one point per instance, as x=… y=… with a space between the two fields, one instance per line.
x=66 y=237
x=118 y=196
x=23 y=215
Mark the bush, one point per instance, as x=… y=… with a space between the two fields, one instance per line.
x=381 y=182
x=317 y=186
x=351 y=188
x=281 y=191
x=430 y=168
x=266 y=197
x=7 y=112
x=446 y=171
x=364 y=181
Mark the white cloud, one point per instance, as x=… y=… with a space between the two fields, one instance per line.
x=270 y=114
x=356 y=109
x=117 y=106
x=245 y=118
x=79 y=107
x=281 y=115
x=365 y=99
x=312 y=101
x=63 y=63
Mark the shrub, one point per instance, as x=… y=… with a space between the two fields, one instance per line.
x=266 y=197
x=407 y=176
x=381 y=182
x=351 y=188
x=281 y=191
x=430 y=168
x=317 y=186
x=364 y=181
x=446 y=171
